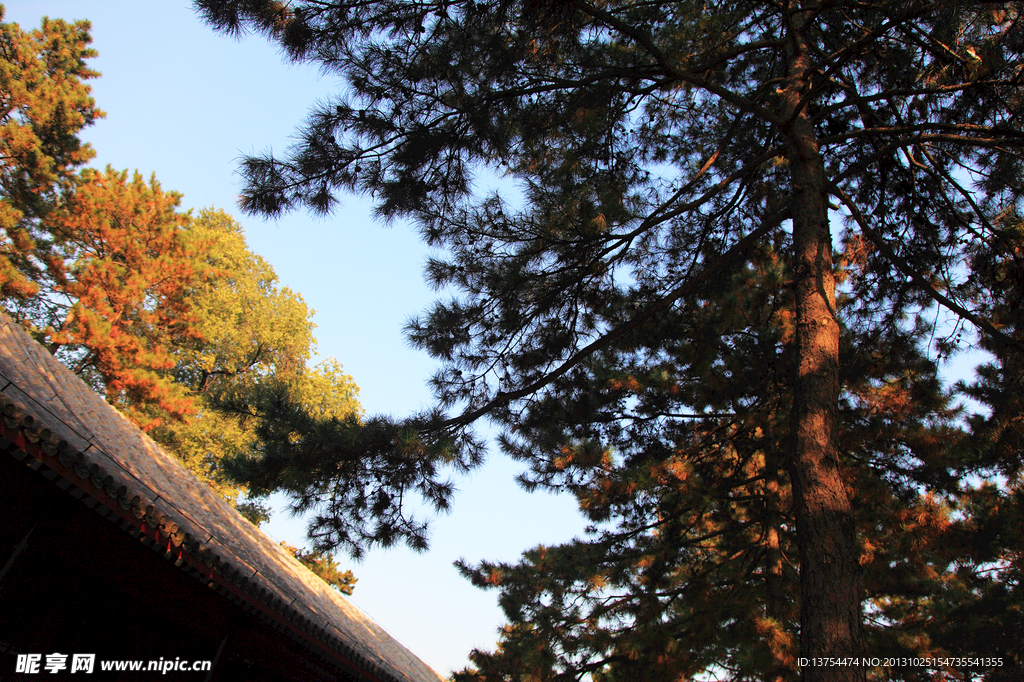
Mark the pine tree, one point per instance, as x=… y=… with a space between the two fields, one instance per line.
x=674 y=450
x=654 y=146
x=690 y=564
x=92 y=262
x=44 y=103
x=113 y=297
x=982 y=611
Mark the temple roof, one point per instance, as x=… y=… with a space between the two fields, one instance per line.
x=137 y=485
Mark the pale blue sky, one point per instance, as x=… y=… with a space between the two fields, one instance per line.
x=185 y=103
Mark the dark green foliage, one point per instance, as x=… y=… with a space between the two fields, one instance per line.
x=991 y=597
x=649 y=313
x=359 y=476
x=677 y=457
x=691 y=561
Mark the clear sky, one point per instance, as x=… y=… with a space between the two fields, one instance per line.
x=185 y=103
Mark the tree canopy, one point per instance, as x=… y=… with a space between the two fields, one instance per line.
x=115 y=296
x=707 y=308
x=45 y=102
x=252 y=338
x=162 y=312
x=94 y=263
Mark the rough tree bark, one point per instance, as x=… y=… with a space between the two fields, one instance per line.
x=830 y=603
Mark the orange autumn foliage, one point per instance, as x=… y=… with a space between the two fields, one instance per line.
x=44 y=103
x=96 y=264
x=128 y=267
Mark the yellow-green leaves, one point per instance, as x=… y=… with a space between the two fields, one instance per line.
x=250 y=333
x=249 y=324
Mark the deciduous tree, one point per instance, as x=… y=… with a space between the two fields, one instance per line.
x=655 y=147
x=252 y=334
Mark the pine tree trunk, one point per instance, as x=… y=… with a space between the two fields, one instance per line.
x=830 y=604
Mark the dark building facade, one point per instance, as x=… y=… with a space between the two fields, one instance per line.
x=113 y=555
